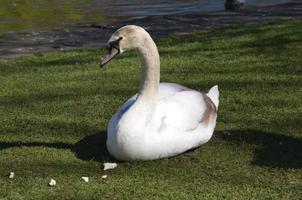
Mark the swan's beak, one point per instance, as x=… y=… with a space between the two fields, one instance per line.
x=113 y=51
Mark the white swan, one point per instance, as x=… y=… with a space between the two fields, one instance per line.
x=162 y=119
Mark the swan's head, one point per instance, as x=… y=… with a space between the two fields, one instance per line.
x=126 y=38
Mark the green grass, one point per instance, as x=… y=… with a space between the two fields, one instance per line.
x=55 y=109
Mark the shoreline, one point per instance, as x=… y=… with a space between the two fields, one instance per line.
x=38 y=42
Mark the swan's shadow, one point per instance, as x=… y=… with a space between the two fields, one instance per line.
x=272 y=149
x=93 y=147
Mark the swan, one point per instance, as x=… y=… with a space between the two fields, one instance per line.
x=163 y=119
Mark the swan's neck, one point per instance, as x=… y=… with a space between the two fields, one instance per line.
x=136 y=120
x=150 y=70
x=150 y=75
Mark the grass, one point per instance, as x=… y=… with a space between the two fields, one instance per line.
x=55 y=109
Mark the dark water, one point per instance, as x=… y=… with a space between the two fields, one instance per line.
x=52 y=14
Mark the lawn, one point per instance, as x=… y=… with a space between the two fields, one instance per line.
x=55 y=109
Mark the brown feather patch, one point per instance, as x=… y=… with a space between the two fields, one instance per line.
x=209 y=111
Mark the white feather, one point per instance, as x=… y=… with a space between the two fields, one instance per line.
x=214 y=95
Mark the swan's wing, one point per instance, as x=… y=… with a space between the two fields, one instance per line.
x=178 y=107
x=184 y=111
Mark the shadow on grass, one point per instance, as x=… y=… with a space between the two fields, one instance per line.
x=60 y=95
x=57 y=145
x=91 y=147
x=272 y=149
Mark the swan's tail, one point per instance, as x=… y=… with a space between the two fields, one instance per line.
x=214 y=95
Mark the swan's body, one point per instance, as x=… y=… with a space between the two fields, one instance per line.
x=161 y=120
